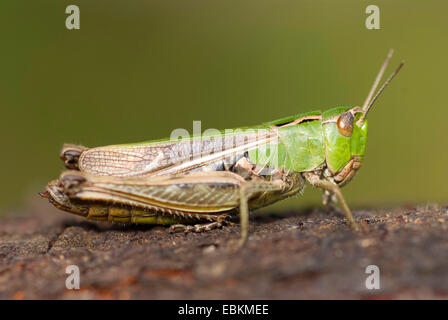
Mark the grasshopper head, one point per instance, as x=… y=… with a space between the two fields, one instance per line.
x=345 y=132
x=345 y=141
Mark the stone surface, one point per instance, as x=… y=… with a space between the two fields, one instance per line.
x=308 y=254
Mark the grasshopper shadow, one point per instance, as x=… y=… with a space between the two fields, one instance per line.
x=272 y=216
x=256 y=217
x=102 y=226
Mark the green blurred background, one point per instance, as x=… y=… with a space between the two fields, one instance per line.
x=138 y=69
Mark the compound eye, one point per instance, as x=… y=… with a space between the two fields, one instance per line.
x=345 y=124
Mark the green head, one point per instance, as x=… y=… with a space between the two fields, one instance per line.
x=345 y=138
x=345 y=132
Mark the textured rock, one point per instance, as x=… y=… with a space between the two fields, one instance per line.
x=290 y=255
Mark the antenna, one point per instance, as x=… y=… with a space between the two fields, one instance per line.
x=378 y=79
x=369 y=101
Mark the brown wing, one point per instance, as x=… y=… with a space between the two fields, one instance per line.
x=164 y=158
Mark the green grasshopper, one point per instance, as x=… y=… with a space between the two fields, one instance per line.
x=210 y=177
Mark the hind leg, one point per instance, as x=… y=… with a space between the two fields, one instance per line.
x=201 y=227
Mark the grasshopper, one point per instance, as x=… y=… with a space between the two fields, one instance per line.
x=211 y=177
